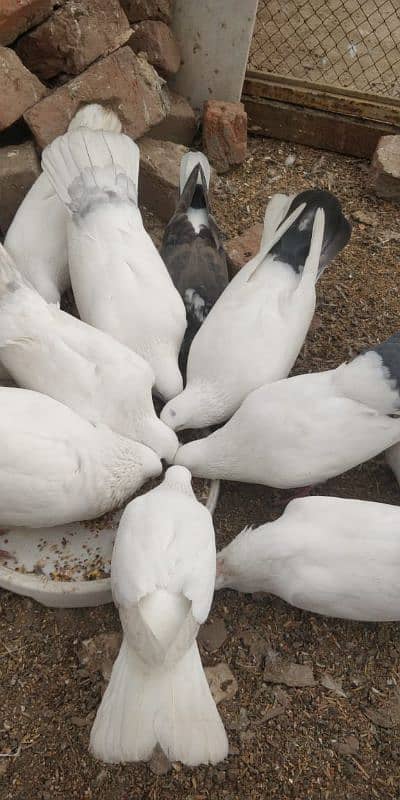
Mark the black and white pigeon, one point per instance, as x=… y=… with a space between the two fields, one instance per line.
x=257 y=327
x=304 y=430
x=192 y=249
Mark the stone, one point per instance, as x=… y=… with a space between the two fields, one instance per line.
x=122 y=81
x=385 y=168
x=290 y=674
x=365 y=218
x=137 y=10
x=19 y=88
x=386 y=715
x=213 y=634
x=159 y=176
x=75 y=35
x=158 y=42
x=19 y=168
x=224 y=133
x=99 y=653
x=223 y=684
x=348 y=746
x=18 y=16
x=243 y=248
x=179 y=125
x=333 y=684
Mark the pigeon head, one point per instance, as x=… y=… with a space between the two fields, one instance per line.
x=180 y=479
x=192 y=408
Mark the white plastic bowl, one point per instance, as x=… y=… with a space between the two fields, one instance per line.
x=68 y=566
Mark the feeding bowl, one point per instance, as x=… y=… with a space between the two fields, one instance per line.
x=68 y=566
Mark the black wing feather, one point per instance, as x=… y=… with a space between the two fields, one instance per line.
x=294 y=245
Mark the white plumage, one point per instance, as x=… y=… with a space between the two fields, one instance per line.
x=56 y=467
x=120 y=282
x=304 y=430
x=256 y=329
x=328 y=555
x=37 y=237
x=163 y=574
x=51 y=352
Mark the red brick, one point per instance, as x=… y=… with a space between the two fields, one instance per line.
x=242 y=248
x=122 y=81
x=19 y=88
x=158 y=42
x=19 y=168
x=224 y=133
x=385 y=168
x=136 y=10
x=18 y=16
x=73 y=37
x=159 y=176
x=179 y=125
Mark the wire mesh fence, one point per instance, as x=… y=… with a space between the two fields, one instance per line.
x=353 y=44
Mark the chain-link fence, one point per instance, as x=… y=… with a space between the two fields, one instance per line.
x=353 y=44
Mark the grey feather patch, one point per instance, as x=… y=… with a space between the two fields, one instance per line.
x=94 y=188
x=389 y=351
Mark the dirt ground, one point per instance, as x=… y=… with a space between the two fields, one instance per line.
x=313 y=743
x=345 y=43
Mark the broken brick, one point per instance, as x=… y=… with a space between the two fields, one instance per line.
x=19 y=88
x=122 y=81
x=179 y=125
x=385 y=168
x=243 y=248
x=159 y=175
x=137 y=10
x=224 y=133
x=74 y=36
x=18 y=16
x=158 y=42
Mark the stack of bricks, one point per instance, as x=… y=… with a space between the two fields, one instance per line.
x=57 y=55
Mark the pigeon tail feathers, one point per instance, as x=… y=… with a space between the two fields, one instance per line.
x=88 y=167
x=293 y=247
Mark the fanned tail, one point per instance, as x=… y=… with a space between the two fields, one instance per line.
x=144 y=706
x=87 y=167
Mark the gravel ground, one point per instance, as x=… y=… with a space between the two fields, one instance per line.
x=337 y=737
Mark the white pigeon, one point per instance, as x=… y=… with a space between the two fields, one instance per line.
x=52 y=352
x=328 y=555
x=120 y=283
x=306 y=429
x=55 y=467
x=37 y=237
x=256 y=329
x=162 y=577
